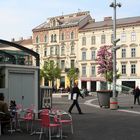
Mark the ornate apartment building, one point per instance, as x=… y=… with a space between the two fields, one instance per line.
x=57 y=39
x=74 y=39
x=96 y=34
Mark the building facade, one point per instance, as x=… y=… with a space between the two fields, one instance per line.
x=74 y=40
x=96 y=34
x=57 y=40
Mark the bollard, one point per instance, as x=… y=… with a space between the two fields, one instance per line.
x=113 y=103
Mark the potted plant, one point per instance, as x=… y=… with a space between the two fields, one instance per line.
x=105 y=69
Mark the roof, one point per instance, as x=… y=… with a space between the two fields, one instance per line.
x=109 y=22
x=63 y=21
x=24 y=41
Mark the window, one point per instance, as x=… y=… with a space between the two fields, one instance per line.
x=72 y=63
x=62 y=36
x=62 y=50
x=72 y=35
x=123 y=69
x=83 y=70
x=83 y=41
x=93 y=70
x=103 y=39
x=133 y=69
x=123 y=37
x=56 y=50
x=133 y=52
x=62 y=64
x=133 y=36
x=123 y=53
x=112 y=38
x=72 y=48
x=93 y=40
x=45 y=38
x=51 y=50
x=37 y=39
x=52 y=38
x=83 y=55
x=45 y=51
x=93 y=54
x=54 y=22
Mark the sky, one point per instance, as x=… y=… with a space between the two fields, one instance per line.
x=19 y=17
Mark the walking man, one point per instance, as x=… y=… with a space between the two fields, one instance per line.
x=136 y=93
x=75 y=92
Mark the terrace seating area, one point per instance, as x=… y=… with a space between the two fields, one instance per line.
x=49 y=123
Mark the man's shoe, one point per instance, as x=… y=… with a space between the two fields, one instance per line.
x=81 y=113
x=69 y=112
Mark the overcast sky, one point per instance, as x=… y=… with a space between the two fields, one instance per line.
x=19 y=17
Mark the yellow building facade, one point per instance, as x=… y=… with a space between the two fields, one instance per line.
x=57 y=40
x=74 y=40
x=96 y=34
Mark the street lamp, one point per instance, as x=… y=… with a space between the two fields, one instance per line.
x=114 y=6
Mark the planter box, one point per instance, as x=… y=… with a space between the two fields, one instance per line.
x=104 y=98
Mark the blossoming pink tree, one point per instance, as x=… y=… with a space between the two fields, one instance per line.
x=105 y=64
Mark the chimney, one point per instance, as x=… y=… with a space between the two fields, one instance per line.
x=13 y=39
x=91 y=20
x=107 y=18
x=21 y=38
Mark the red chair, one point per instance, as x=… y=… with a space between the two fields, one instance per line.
x=65 y=119
x=28 y=117
x=46 y=123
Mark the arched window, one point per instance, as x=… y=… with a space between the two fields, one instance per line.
x=37 y=39
x=72 y=47
x=45 y=38
x=52 y=38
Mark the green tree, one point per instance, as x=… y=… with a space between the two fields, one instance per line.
x=50 y=71
x=72 y=75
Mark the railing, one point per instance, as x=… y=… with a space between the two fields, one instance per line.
x=121 y=89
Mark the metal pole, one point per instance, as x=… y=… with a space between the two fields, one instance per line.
x=114 y=5
x=114 y=51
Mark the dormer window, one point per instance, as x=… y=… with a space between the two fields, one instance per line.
x=54 y=23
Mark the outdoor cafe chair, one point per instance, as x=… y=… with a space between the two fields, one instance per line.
x=64 y=119
x=28 y=117
x=47 y=123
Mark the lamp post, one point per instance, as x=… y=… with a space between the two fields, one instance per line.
x=114 y=6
